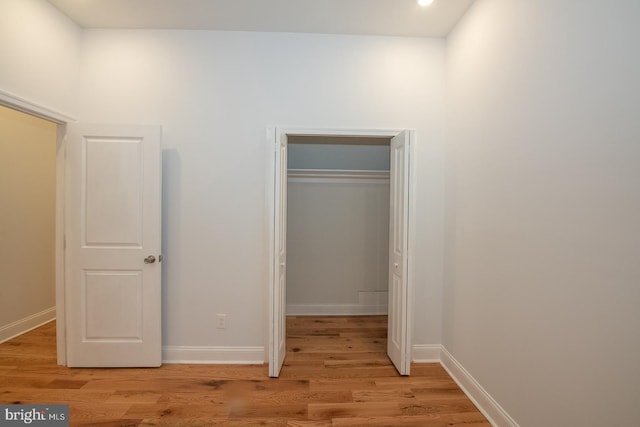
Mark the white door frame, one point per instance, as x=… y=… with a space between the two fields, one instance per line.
x=275 y=132
x=17 y=103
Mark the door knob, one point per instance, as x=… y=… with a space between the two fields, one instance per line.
x=395 y=265
x=150 y=259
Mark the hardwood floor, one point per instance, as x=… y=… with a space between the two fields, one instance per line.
x=336 y=374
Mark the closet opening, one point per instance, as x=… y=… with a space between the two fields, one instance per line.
x=338 y=248
x=339 y=259
x=337 y=226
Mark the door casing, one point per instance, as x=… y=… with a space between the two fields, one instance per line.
x=273 y=134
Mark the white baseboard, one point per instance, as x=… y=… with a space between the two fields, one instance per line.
x=426 y=353
x=21 y=326
x=335 y=310
x=213 y=355
x=496 y=415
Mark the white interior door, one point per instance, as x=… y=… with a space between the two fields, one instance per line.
x=278 y=294
x=113 y=242
x=398 y=342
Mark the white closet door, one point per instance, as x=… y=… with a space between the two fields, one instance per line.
x=278 y=294
x=398 y=347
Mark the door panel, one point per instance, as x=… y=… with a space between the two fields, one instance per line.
x=113 y=222
x=104 y=290
x=398 y=347
x=113 y=218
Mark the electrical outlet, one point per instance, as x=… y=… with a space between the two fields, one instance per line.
x=221 y=321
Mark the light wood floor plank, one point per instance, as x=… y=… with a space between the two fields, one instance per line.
x=320 y=411
x=432 y=420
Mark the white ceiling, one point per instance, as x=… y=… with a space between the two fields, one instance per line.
x=372 y=17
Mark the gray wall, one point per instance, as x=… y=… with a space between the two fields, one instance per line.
x=40 y=51
x=337 y=247
x=338 y=232
x=542 y=272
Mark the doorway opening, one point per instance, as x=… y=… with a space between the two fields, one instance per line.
x=60 y=121
x=338 y=250
x=337 y=226
x=29 y=187
x=397 y=261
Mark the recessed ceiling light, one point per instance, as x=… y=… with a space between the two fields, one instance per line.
x=425 y=3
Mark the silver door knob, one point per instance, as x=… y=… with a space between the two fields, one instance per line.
x=150 y=259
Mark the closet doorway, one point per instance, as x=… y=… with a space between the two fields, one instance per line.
x=337 y=226
x=397 y=259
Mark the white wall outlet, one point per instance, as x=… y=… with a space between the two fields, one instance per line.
x=221 y=321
